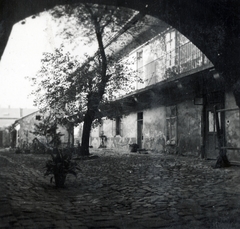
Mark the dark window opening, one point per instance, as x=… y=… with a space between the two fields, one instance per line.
x=38 y=117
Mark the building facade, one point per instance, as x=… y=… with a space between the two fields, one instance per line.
x=176 y=106
x=7 y=117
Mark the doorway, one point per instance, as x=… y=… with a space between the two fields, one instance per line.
x=215 y=101
x=140 y=129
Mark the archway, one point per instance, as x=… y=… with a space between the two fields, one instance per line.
x=210 y=25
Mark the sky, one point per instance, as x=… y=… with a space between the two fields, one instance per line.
x=24 y=51
x=22 y=58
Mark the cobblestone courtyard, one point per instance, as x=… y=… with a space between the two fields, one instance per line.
x=120 y=190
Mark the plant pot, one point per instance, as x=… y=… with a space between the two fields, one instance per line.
x=59 y=180
x=133 y=147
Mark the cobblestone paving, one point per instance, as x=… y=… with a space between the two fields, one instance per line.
x=120 y=190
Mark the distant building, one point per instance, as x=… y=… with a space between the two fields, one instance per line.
x=7 y=117
x=22 y=131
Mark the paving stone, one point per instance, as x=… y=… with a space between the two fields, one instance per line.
x=158 y=193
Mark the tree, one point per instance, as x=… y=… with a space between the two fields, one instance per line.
x=48 y=129
x=74 y=89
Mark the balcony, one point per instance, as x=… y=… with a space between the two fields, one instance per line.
x=185 y=59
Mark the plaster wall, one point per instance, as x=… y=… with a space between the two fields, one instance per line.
x=129 y=126
x=106 y=129
x=189 y=128
x=128 y=135
x=232 y=128
x=113 y=141
x=154 y=129
x=94 y=140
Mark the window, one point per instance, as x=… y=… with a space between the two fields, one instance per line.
x=119 y=126
x=170 y=48
x=171 y=121
x=212 y=126
x=38 y=117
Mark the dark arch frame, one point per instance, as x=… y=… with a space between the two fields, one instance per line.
x=212 y=25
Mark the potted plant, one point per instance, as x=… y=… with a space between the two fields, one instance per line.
x=133 y=147
x=59 y=166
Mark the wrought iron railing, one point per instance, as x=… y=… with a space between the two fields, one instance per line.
x=180 y=60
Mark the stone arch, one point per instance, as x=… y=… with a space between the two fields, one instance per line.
x=213 y=26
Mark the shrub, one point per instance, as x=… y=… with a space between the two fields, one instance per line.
x=59 y=166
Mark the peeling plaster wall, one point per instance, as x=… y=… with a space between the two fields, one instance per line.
x=78 y=134
x=129 y=125
x=189 y=128
x=113 y=141
x=108 y=131
x=129 y=132
x=153 y=131
x=189 y=137
x=94 y=140
x=108 y=128
x=232 y=125
x=154 y=128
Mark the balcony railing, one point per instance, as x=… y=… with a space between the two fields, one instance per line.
x=184 y=58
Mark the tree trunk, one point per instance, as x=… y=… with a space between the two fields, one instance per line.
x=94 y=98
x=88 y=119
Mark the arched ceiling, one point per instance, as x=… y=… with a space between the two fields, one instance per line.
x=212 y=25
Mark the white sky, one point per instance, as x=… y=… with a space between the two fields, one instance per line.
x=22 y=57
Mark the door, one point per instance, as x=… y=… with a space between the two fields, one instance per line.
x=211 y=135
x=211 y=140
x=140 y=129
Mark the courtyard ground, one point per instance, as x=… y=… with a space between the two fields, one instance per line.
x=120 y=190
